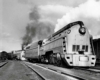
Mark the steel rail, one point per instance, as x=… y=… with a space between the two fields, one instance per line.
x=63 y=73
x=41 y=76
x=89 y=70
x=3 y=64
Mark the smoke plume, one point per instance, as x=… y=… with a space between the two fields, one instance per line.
x=88 y=12
x=36 y=28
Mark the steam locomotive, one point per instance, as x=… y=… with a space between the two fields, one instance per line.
x=71 y=45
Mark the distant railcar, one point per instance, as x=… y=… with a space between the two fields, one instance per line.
x=3 y=56
x=72 y=45
x=96 y=43
x=19 y=54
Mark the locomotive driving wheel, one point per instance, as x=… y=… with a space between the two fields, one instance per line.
x=58 y=61
x=55 y=59
x=42 y=59
x=51 y=59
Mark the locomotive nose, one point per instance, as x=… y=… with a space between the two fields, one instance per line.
x=82 y=30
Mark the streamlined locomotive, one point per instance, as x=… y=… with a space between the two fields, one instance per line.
x=71 y=45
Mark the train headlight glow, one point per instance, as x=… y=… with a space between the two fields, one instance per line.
x=82 y=30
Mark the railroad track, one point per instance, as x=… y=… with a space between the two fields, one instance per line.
x=2 y=64
x=51 y=74
x=91 y=70
x=96 y=67
x=86 y=75
x=43 y=78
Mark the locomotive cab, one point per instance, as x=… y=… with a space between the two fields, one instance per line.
x=79 y=48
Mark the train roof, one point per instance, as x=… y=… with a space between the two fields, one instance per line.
x=33 y=44
x=67 y=27
x=96 y=37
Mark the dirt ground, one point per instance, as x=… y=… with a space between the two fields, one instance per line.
x=14 y=70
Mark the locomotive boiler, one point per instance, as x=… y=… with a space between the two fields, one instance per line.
x=71 y=45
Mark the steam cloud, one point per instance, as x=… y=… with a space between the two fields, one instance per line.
x=88 y=12
x=36 y=29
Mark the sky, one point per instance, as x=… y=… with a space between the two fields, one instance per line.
x=17 y=15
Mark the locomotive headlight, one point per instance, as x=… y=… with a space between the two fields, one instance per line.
x=82 y=30
x=83 y=58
